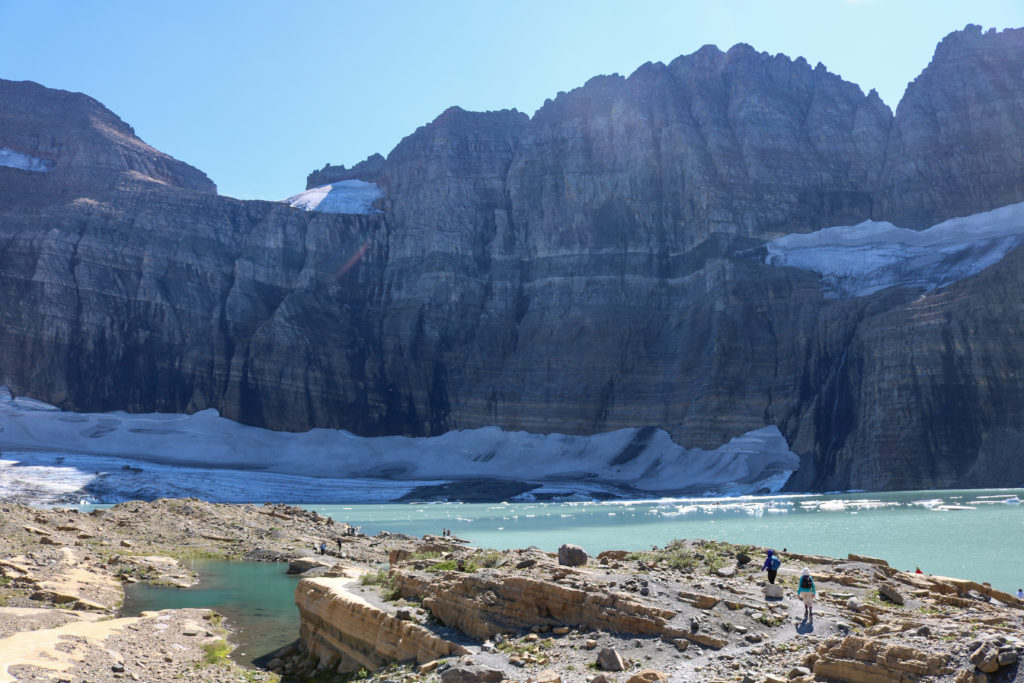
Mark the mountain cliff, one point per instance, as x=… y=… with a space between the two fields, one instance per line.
x=601 y=264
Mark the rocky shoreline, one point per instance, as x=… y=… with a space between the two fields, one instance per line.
x=397 y=608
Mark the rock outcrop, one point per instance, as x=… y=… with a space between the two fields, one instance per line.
x=590 y=268
x=349 y=633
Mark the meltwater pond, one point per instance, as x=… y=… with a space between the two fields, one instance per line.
x=256 y=598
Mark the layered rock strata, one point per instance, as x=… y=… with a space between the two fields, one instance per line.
x=590 y=268
x=347 y=631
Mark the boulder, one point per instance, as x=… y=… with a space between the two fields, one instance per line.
x=986 y=658
x=609 y=659
x=549 y=676
x=300 y=565
x=613 y=555
x=398 y=555
x=773 y=590
x=571 y=555
x=647 y=676
x=890 y=592
x=472 y=674
x=698 y=600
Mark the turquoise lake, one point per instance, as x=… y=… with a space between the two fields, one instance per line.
x=257 y=599
x=973 y=534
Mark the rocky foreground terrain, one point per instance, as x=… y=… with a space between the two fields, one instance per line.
x=397 y=608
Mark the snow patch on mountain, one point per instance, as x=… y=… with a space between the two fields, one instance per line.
x=25 y=162
x=862 y=259
x=345 y=196
x=117 y=456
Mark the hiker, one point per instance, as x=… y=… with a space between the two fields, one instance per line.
x=918 y=571
x=1020 y=594
x=339 y=544
x=323 y=547
x=807 y=591
x=771 y=565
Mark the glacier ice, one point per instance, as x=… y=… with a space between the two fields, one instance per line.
x=115 y=456
x=345 y=196
x=25 y=162
x=861 y=259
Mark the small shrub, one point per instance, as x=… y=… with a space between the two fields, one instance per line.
x=488 y=558
x=388 y=588
x=425 y=555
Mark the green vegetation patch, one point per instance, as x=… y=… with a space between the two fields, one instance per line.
x=216 y=652
x=709 y=556
x=382 y=578
x=468 y=565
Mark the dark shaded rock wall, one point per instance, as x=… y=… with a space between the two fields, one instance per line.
x=590 y=268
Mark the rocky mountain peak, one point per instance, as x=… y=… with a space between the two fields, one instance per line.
x=85 y=146
x=954 y=147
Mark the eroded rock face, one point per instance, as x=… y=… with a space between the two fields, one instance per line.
x=950 y=153
x=340 y=627
x=590 y=268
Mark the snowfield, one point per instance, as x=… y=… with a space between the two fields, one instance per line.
x=25 y=162
x=53 y=456
x=346 y=196
x=862 y=259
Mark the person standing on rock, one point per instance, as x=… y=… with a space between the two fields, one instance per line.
x=771 y=565
x=807 y=591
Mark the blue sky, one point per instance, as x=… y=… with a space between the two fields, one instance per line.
x=257 y=94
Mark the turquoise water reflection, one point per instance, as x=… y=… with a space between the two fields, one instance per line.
x=257 y=598
x=911 y=528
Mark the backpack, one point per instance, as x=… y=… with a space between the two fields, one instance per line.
x=805 y=582
x=775 y=562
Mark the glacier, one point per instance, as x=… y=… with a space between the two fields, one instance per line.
x=49 y=456
x=24 y=162
x=345 y=196
x=862 y=259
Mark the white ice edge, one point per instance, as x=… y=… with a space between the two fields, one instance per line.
x=25 y=162
x=346 y=196
x=206 y=455
x=862 y=259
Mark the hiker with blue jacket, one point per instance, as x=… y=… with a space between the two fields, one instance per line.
x=807 y=591
x=771 y=565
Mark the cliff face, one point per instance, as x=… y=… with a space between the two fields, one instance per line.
x=593 y=267
x=954 y=148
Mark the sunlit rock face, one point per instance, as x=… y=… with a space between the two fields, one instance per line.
x=80 y=145
x=604 y=264
x=955 y=144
